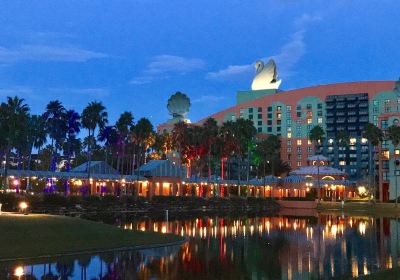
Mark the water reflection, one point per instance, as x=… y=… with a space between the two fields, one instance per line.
x=280 y=247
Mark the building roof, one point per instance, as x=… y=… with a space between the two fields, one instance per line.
x=314 y=170
x=318 y=158
x=161 y=168
x=71 y=175
x=100 y=167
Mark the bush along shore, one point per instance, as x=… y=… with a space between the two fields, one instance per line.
x=78 y=205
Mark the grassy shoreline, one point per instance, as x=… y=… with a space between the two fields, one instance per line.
x=36 y=236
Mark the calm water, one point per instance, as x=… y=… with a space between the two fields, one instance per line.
x=279 y=247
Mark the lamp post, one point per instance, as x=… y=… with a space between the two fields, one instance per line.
x=23 y=206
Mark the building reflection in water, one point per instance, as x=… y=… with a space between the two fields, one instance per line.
x=281 y=247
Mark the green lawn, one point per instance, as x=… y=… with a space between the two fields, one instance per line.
x=43 y=235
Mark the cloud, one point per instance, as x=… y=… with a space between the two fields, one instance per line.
x=162 y=66
x=232 y=71
x=47 y=53
x=290 y=53
x=208 y=99
x=15 y=91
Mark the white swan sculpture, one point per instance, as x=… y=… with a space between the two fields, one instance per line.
x=265 y=76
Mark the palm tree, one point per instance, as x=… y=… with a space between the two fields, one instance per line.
x=109 y=136
x=374 y=135
x=93 y=116
x=210 y=130
x=123 y=126
x=37 y=135
x=56 y=129
x=73 y=127
x=316 y=135
x=13 y=119
x=143 y=136
x=393 y=134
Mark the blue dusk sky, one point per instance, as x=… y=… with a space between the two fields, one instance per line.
x=132 y=55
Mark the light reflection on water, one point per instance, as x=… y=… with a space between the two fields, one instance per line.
x=280 y=247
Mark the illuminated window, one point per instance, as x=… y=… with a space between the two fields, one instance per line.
x=330 y=141
x=364 y=140
x=342 y=162
x=299 y=142
x=278 y=115
x=289 y=135
x=289 y=142
x=278 y=108
x=397 y=152
x=319 y=120
x=309 y=142
x=288 y=108
x=353 y=141
x=299 y=163
x=386 y=154
x=309 y=121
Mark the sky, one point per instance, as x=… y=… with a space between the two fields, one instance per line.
x=133 y=54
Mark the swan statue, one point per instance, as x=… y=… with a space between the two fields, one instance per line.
x=266 y=76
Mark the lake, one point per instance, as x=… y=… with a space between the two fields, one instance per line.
x=238 y=247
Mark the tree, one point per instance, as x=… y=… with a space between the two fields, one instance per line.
x=109 y=136
x=123 y=126
x=316 y=135
x=37 y=135
x=374 y=135
x=393 y=134
x=73 y=127
x=13 y=120
x=93 y=116
x=210 y=130
x=142 y=136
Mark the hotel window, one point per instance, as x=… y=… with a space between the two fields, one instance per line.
x=353 y=141
x=250 y=110
x=375 y=103
x=269 y=122
x=250 y=117
x=269 y=129
x=330 y=141
x=309 y=149
x=278 y=115
x=289 y=149
x=309 y=120
x=259 y=116
x=309 y=155
x=278 y=129
x=298 y=121
x=384 y=124
x=364 y=141
x=259 y=129
x=319 y=114
x=298 y=142
x=289 y=129
x=397 y=172
x=289 y=135
x=309 y=142
x=289 y=122
x=319 y=106
x=299 y=163
x=353 y=171
x=309 y=127
x=299 y=149
x=299 y=156
x=375 y=109
x=298 y=128
x=319 y=120
x=386 y=154
x=259 y=122
x=386 y=176
x=290 y=163
x=278 y=108
x=309 y=106
x=289 y=142
x=279 y=122
x=259 y=109
x=269 y=115
x=299 y=114
x=288 y=108
x=397 y=152
x=269 y=109
x=342 y=162
x=298 y=107
x=289 y=156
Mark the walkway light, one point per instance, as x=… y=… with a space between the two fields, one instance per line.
x=19 y=272
x=16 y=182
x=23 y=206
